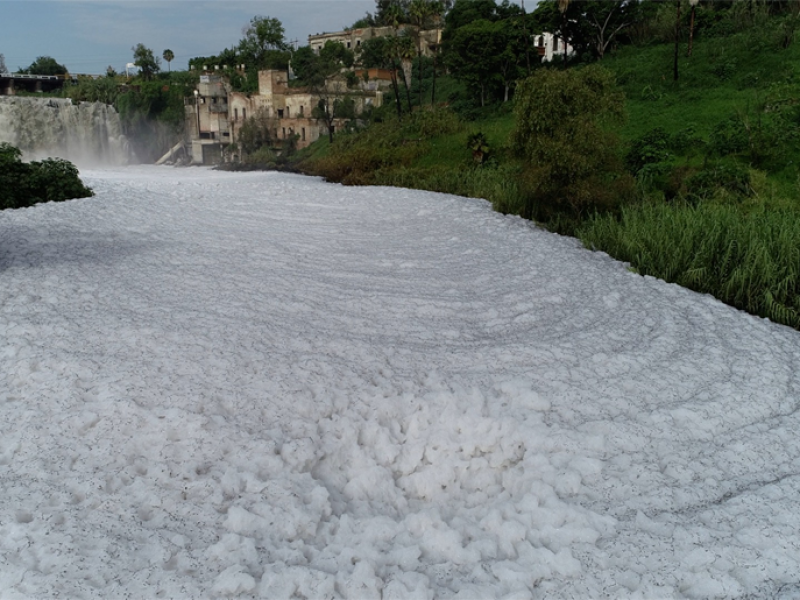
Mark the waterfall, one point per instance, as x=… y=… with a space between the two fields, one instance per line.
x=89 y=134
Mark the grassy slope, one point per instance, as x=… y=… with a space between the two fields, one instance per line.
x=752 y=260
x=724 y=76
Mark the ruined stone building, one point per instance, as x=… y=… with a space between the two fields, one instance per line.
x=353 y=38
x=216 y=113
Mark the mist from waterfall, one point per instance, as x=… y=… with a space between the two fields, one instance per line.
x=88 y=134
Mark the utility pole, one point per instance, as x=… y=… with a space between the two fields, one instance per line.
x=527 y=37
x=677 y=41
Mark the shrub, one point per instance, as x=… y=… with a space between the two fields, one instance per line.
x=763 y=135
x=729 y=176
x=479 y=146
x=729 y=137
x=571 y=159
x=24 y=184
x=686 y=141
x=436 y=121
x=256 y=131
x=361 y=158
x=649 y=149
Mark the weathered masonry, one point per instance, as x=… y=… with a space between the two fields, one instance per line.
x=215 y=115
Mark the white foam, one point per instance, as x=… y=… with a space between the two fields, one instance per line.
x=262 y=385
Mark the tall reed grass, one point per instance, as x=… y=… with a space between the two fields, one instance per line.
x=497 y=185
x=750 y=260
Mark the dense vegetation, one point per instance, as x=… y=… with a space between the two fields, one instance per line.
x=27 y=183
x=699 y=185
x=151 y=109
x=150 y=102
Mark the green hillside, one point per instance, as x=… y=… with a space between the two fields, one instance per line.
x=714 y=158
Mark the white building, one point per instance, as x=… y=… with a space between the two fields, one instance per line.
x=551 y=46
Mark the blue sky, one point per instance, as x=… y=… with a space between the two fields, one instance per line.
x=88 y=36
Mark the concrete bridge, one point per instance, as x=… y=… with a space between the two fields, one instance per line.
x=11 y=83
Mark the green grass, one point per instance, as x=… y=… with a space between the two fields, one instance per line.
x=750 y=260
x=742 y=248
x=725 y=76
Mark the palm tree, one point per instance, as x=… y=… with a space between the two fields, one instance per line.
x=404 y=47
x=401 y=46
x=563 y=5
x=168 y=56
x=420 y=10
x=437 y=9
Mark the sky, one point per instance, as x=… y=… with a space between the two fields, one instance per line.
x=89 y=36
x=221 y=384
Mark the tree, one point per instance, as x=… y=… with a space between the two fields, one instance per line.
x=465 y=12
x=590 y=26
x=314 y=69
x=403 y=47
x=45 y=65
x=144 y=58
x=378 y=53
x=263 y=45
x=419 y=10
x=322 y=74
x=607 y=18
x=437 y=10
x=391 y=12
x=474 y=55
x=400 y=46
x=386 y=10
x=570 y=158
x=26 y=183
x=168 y=55
x=333 y=105
x=256 y=131
x=3 y=68
x=563 y=5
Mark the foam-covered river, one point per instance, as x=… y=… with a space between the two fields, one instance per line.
x=263 y=385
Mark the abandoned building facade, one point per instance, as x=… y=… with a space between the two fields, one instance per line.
x=216 y=114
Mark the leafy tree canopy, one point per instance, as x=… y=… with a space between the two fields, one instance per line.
x=590 y=26
x=465 y=12
x=377 y=53
x=24 y=184
x=396 y=12
x=263 y=45
x=228 y=57
x=45 y=65
x=314 y=69
x=484 y=54
x=169 y=56
x=571 y=157
x=366 y=21
x=147 y=62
